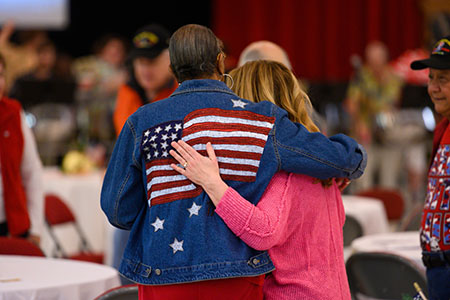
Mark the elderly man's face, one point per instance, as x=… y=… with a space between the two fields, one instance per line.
x=439 y=91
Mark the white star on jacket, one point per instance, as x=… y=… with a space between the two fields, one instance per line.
x=194 y=209
x=177 y=127
x=177 y=246
x=238 y=103
x=158 y=224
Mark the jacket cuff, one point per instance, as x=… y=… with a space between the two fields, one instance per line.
x=362 y=165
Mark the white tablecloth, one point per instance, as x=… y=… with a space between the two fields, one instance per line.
x=37 y=278
x=369 y=212
x=405 y=244
x=82 y=194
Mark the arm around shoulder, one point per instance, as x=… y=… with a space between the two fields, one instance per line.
x=313 y=154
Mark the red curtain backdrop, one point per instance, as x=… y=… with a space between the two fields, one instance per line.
x=319 y=35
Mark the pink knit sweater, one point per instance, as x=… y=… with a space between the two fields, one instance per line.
x=300 y=223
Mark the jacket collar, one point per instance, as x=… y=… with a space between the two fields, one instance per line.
x=202 y=85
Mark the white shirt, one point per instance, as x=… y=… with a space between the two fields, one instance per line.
x=31 y=172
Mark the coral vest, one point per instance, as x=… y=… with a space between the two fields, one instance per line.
x=11 y=151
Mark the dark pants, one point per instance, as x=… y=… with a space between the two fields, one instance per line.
x=438 y=280
x=439 y=283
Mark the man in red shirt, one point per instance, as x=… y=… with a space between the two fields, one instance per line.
x=435 y=226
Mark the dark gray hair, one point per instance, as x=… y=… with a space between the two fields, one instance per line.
x=193 y=52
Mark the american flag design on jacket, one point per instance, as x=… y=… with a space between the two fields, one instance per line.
x=238 y=139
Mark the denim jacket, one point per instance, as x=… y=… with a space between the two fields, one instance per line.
x=175 y=235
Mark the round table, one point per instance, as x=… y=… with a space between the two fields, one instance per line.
x=82 y=194
x=40 y=278
x=405 y=244
x=369 y=212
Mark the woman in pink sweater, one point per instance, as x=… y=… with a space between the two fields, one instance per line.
x=299 y=219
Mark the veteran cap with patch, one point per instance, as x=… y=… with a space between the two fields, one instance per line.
x=439 y=57
x=149 y=41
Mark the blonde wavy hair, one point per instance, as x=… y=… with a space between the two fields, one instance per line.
x=261 y=80
x=269 y=80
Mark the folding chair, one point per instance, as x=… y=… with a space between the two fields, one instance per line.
x=352 y=230
x=125 y=292
x=382 y=275
x=392 y=200
x=19 y=246
x=58 y=213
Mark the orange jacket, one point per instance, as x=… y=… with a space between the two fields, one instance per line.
x=128 y=101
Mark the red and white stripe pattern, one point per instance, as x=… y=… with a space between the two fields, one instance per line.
x=238 y=138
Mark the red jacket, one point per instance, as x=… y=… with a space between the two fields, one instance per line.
x=11 y=151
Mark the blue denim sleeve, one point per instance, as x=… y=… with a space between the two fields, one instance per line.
x=123 y=192
x=313 y=154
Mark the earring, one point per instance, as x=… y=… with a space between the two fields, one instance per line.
x=228 y=76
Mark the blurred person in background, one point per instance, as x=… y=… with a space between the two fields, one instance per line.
x=20 y=58
x=99 y=77
x=44 y=84
x=417 y=130
x=21 y=193
x=150 y=78
x=47 y=95
x=266 y=50
x=373 y=94
x=435 y=226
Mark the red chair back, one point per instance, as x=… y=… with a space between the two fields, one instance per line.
x=56 y=211
x=391 y=198
x=19 y=246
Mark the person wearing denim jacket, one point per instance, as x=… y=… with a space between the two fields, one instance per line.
x=175 y=235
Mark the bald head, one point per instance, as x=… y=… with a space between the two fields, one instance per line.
x=264 y=50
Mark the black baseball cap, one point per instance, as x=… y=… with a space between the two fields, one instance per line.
x=149 y=41
x=439 y=57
